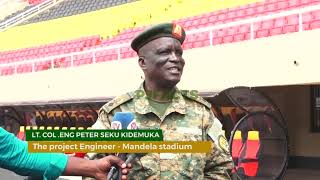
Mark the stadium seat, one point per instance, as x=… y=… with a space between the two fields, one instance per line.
x=35 y=1
x=280 y=22
x=227 y=39
x=200 y=40
x=24 y=68
x=236 y=146
x=7 y=70
x=106 y=55
x=127 y=52
x=250 y=162
x=290 y=29
x=187 y=45
x=276 y=31
x=217 y=40
x=262 y=33
x=311 y=20
x=21 y=134
x=294 y=4
x=83 y=59
x=62 y=62
x=43 y=65
x=250 y=168
x=315 y=24
x=265 y=28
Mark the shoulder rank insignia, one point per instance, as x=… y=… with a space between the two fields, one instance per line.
x=194 y=95
x=115 y=102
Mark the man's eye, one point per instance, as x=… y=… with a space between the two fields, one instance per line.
x=165 y=52
x=179 y=53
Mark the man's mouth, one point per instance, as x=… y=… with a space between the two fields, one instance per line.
x=174 y=70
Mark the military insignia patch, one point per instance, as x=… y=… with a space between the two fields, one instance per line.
x=177 y=30
x=223 y=143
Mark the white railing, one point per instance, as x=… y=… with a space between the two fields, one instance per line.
x=93 y=52
x=28 y=14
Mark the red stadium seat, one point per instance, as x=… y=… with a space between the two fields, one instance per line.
x=227 y=39
x=250 y=168
x=24 y=68
x=268 y=24
x=241 y=37
x=311 y=20
x=276 y=31
x=43 y=65
x=187 y=45
x=21 y=134
x=265 y=28
x=106 y=55
x=292 y=19
x=252 y=144
x=290 y=29
x=250 y=161
x=236 y=146
x=280 y=22
x=127 y=52
x=294 y=3
x=199 y=44
x=271 y=7
x=245 y=28
x=217 y=40
x=262 y=33
x=82 y=59
x=7 y=70
x=315 y=24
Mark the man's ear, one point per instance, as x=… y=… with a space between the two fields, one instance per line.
x=142 y=62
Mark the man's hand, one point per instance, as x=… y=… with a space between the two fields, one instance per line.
x=103 y=166
x=95 y=168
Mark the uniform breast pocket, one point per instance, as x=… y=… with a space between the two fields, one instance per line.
x=183 y=165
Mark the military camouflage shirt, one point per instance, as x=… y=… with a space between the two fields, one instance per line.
x=187 y=118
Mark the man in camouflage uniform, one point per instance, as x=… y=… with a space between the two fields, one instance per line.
x=182 y=115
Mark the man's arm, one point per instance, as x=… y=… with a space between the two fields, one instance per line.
x=14 y=156
x=219 y=162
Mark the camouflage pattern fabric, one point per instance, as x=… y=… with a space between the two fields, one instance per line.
x=187 y=118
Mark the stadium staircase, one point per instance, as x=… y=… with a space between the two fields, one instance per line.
x=35 y=7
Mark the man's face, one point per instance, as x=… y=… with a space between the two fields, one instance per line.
x=162 y=61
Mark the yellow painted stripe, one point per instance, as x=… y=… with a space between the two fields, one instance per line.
x=108 y=22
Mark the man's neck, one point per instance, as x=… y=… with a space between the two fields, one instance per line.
x=159 y=94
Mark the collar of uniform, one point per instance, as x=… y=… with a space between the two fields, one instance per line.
x=178 y=104
x=142 y=105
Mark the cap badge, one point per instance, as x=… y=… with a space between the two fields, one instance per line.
x=177 y=31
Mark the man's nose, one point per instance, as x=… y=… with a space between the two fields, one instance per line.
x=174 y=57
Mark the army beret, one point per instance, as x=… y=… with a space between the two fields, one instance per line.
x=161 y=30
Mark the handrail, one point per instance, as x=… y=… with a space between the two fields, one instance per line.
x=28 y=14
x=250 y=21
